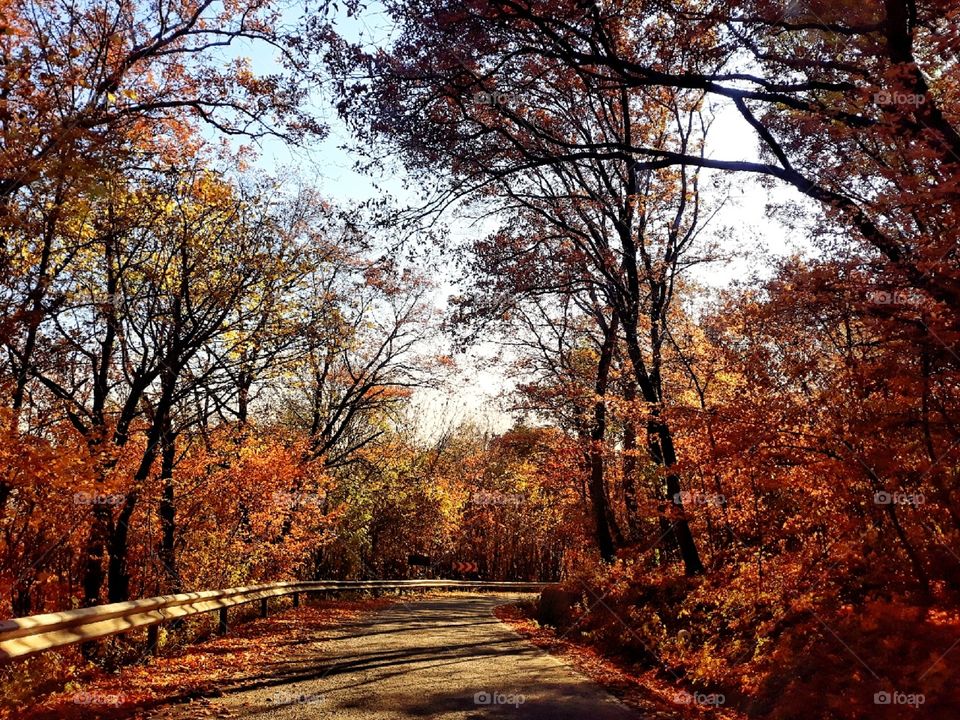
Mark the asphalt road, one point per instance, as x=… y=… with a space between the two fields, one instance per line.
x=442 y=657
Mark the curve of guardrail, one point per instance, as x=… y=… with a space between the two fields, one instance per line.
x=21 y=637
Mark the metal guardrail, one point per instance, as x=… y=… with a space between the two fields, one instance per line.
x=26 y=636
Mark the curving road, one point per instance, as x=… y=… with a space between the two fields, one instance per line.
x=443 y=657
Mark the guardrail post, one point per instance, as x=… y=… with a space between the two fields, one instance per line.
x=296 y=600
x=263 y=607
x=153 y=633
x=223 y=626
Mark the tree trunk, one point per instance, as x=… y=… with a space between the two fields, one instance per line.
x=661 y=447
x=681 y=529
x=167 y=512
x=630 y=469
x=118 y=578
x=598 y=495
x=93 y=574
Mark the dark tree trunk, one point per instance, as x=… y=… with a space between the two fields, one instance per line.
x=118 y=579
x=630 y=470
x=597 y=488
x=681 y=529
x=93 y=574
x=167 y=512
x=661 y=447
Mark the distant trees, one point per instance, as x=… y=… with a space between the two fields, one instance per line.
x=508 y=503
